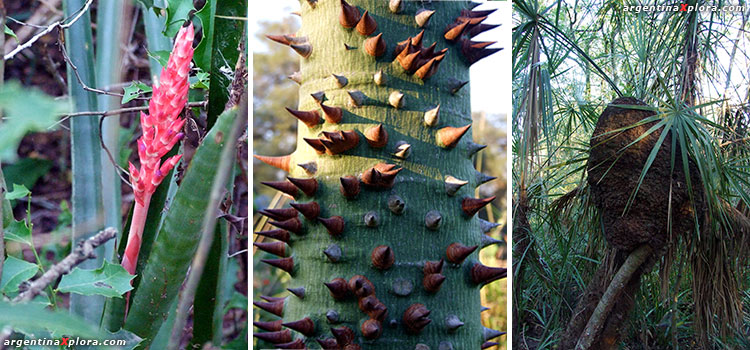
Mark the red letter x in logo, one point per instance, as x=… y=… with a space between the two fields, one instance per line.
x=683 y=7
x=65 y=341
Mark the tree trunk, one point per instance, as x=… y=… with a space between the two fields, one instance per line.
x=390 y=191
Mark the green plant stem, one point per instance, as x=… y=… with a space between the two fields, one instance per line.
x=624 y=274
x=207 y=231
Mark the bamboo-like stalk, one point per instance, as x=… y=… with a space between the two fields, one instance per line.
x=2 y=178
x=86 y=203
x=108 y=72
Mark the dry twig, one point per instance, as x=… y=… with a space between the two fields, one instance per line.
x=83 y=251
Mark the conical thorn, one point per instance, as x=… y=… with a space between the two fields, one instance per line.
x=366 y=24
x=449 y=136
x=471 y=206
x=281 y=162
x=286 y=264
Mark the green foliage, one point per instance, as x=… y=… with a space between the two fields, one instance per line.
x=25 y=110
x=202 y=53
x=228 y=30
x=16 y=271
x=110 y=280
x=26 y=171
x=19 y=191
x=135 y=90
x=178 y=237
x=9 y=31
x=18 y=231
x=33 y=316
x=177 y=14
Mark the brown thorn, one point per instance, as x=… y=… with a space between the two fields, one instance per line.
x=376 y=136
x=366 y=24
x=382 y=257
x=283 y=186
x=316 y=145
x=271 y=326
x=279 y=214
x=449 y=136
x=286 y=264
x=457 y=252
x=338 y=288
x=310 y=118
x=275 y=248
x=274 y=307
x=292 y=225
x=309 y=210
x=281 y=162
x=471 y=206
x=375 y=46
x=281 y=235
x=481 y=274
x=308 y=186
x=278 y=337
x=349 y=15
x=305 y=326
x=334 y=225
x=349 y=186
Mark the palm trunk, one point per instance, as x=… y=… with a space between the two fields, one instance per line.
x=396 y=217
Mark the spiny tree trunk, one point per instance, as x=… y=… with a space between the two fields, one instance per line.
x=384 y=254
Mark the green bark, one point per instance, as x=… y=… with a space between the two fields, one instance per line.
x=420 y=184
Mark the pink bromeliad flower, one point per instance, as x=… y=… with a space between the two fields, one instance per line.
x=161 y=129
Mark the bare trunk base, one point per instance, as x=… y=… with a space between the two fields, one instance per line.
x=604 y=308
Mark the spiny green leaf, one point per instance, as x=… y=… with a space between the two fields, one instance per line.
x=177 y=14
x=26 y=110
x=17 y=231
x=134 y=90
x=19 y=191
x=16 y=271
x=34 y=316
x=110 y=280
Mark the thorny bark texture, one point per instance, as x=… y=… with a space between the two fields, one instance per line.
x=384 y=255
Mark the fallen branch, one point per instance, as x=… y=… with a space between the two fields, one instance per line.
x=82 y=252
x=621 y=279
